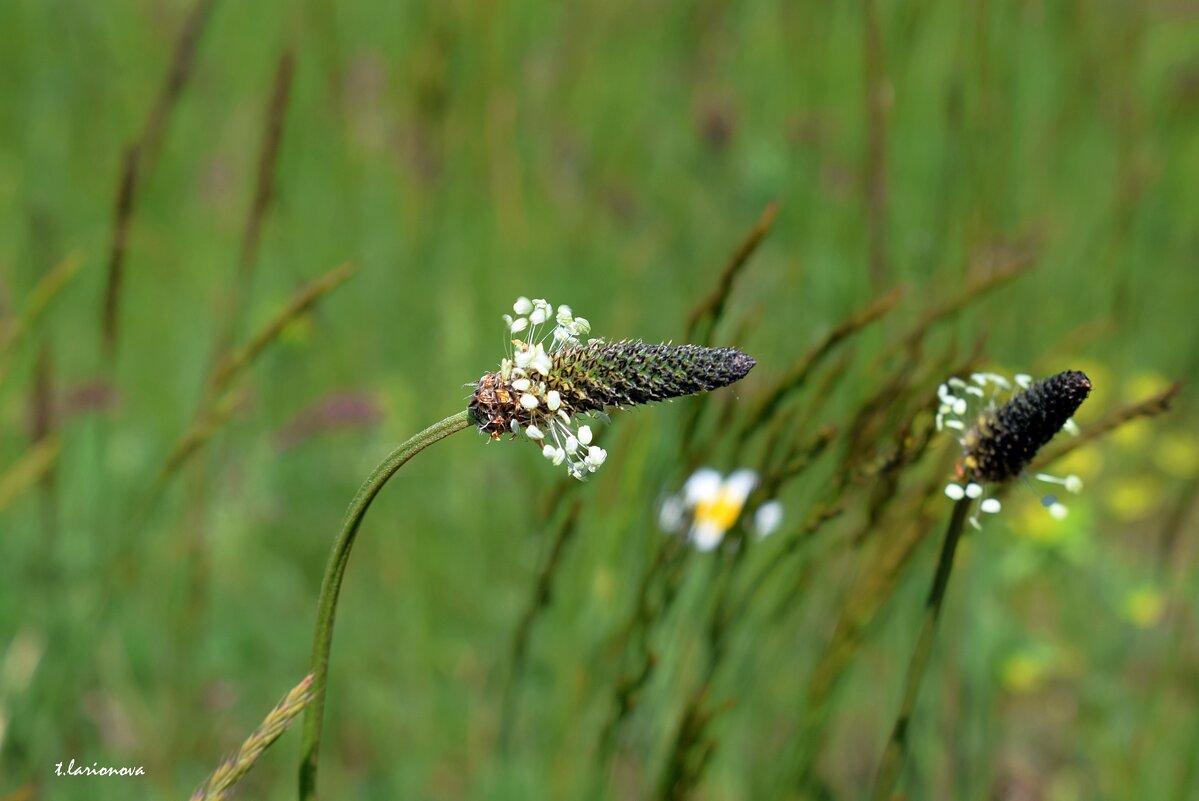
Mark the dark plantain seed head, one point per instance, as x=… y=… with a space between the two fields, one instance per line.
x=1004 y=439
x=539 y=391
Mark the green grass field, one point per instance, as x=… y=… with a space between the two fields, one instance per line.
x=185 y=415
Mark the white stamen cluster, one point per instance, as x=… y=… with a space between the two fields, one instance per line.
x=561 y=437
x=961 y=404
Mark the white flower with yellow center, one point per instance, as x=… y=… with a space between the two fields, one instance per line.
x=710 y=504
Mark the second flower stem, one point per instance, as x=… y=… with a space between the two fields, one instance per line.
x=897 y=745
x=331 y=587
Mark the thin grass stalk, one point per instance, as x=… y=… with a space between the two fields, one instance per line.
x=183 y=59
x=44 y=292
x=30 y=468
x=707 y=313
x=878 y=106
x=802 y=370
x=117 y=246
x=217 y=786
x=539 y=601
x=897 y=746
x=331 y=586
x=299 y=303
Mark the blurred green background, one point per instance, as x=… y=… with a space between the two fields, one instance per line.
x=609 y=155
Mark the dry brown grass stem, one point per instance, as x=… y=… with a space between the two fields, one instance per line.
x=704 y=318
x=268 y=157
x=1014 y=264
x=44 y=292
x=798 y=375
x=30 y=468
x=138 y=158
x=304 y=299
x=277 y=721
x=878 y=107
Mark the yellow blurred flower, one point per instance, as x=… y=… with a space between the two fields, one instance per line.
x=1178 y=455
x=1086 y=462
x=1133 y=435
x=1133 y=498
x=1143 y=385
x=1024 y=672
x=1033 y=524
x=1144 y=607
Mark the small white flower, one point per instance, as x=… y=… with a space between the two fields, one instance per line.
x=1058 y=511
x=572 y=445
x=518 y=325
x=533 y=432
x=522 y=384
x=553 y=400
x=549 y=451
x=523 y=305
x=529 y=401
x=954 y=492
x=974 y=490
x=585 y=435
x=714 y=503
x=595 y=457
x=990 y=506
x=540 y=361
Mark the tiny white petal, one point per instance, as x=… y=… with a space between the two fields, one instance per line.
x=564 y=417
x=671 y=514
x=957 y=425
x=1058 y=511
x=990 y=506
x=572 y=444
x=954 y=492
x=529 y=401
x=706 y=536
x=1073 y=484
x=768 y=518
x=596 y=456
x=1071 y=427
x=956 y=383
x=521 y=384
x=944 y=394
x=585 y=435
x=553 y=400
x=538 y=316
x=704 y=483
x=973 y=490
x=533 y=432
x=975 y=391
x=582 y=326
x=522 y=305
x=740 y=484
x=518 y=325
x=522 y=358
x=959 y=406
x=549 y=452
x=514 y=426
x=1023 y=380
x=559 y=456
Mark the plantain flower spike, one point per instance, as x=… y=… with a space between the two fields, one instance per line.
x=555 y=379
x=1000 y=429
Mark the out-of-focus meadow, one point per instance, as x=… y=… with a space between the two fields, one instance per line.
x=184 y=413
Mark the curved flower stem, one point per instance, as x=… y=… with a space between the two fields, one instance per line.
x=331 y=586
x=897 y=745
